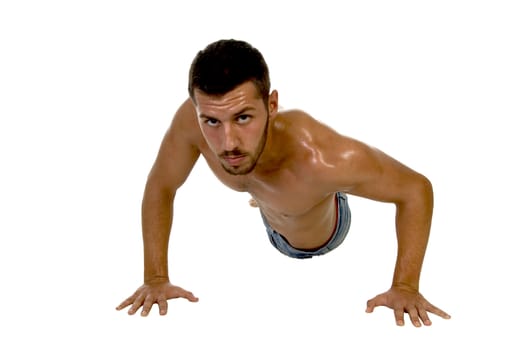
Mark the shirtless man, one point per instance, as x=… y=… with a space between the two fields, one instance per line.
x=297 y=170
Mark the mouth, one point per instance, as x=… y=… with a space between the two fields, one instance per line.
x=234 y=160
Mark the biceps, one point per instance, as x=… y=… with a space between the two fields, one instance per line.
x=380 y=177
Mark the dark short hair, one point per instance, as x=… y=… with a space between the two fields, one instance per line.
x=225 y=64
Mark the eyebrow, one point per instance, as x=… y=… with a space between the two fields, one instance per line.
x=237 y=114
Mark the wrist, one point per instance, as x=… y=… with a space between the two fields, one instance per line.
x=410 y=287
x=156 y=279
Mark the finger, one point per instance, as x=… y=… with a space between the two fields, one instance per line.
x=371 y=304
x=414 y=316
x=399 y=316
x=424 y=316
x=125 y=303
x=182 y=293
x=163 y=306
x=435 y=310
x=147 y=305
x=378 y=300
x=136 y=304
x=190 y=297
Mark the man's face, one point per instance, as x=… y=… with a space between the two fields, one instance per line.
x=235 y=126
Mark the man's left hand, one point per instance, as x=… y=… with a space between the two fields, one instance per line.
x=402 y=300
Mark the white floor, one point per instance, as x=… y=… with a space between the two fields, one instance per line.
x=88 y=91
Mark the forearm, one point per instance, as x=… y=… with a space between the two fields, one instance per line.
x=413 y=224
x=157 y=215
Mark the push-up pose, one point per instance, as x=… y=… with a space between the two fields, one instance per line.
x=298 y=171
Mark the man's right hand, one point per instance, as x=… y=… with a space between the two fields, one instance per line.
x=155 y=293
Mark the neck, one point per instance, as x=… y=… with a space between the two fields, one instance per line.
x=273 y=155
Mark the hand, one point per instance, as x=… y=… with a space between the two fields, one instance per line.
x=155 y=293
x=401 y=300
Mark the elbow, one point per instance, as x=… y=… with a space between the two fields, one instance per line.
x=156 y=188
x=422 y=191
x=426 y=186
x=418 y=191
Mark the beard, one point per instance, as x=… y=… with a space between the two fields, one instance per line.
x=251 y=159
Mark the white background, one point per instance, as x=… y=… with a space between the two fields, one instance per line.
x=87 y=90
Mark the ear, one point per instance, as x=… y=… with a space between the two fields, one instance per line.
x=273 y=103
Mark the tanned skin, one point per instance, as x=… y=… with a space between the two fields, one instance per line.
x=292 y=165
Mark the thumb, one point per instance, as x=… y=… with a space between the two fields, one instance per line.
x=371 y=304
x=374 y=302
x=190 y=296
x=178 y=292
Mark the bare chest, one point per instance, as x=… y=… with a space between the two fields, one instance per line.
x=285 y=193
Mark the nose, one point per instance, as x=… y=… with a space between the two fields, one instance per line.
x=231 y=137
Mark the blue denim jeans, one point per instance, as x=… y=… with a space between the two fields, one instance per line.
x=343 y=223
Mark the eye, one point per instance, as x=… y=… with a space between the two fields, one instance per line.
x=243 y=119
x=212 y=122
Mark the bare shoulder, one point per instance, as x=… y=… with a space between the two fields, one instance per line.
x=342 y=163
x=311 y=131
x=185 y=125
x=330 y=153
x=179 y=150
x=299 y=123
x=294 y=116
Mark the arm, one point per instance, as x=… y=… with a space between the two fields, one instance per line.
x=374 y=175
x=386 y=180
x=175 y=160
